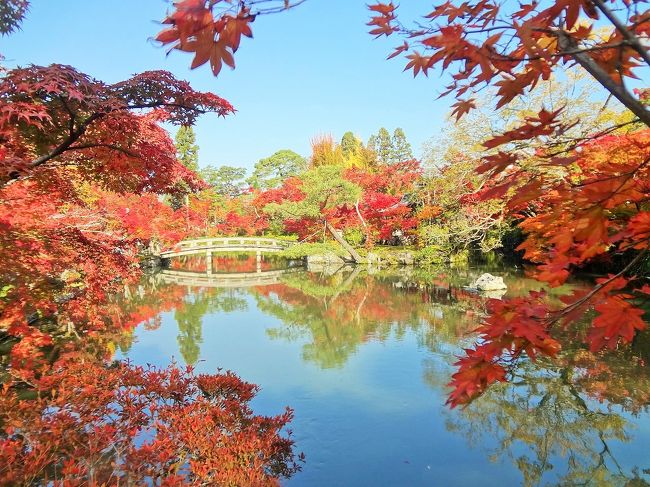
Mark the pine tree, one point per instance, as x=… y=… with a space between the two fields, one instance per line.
x=271 y=171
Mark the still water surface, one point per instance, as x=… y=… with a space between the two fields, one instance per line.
x=363 y=357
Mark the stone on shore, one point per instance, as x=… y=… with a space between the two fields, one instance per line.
x=488 y=282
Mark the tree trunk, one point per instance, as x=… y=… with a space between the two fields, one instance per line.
x=353 y=253
x=363 y=222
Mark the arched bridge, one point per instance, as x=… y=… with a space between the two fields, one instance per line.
x=225 y=244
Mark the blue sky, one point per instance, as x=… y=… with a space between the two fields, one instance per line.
x=309 y=71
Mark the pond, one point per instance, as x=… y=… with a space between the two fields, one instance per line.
x=363 y=357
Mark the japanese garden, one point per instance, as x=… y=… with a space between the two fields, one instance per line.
x=279 y=260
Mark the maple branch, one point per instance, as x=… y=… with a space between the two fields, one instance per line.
x=626 y=175
x=632 y=39
x=568 y=43
x=572 y=52
x=162 y=105
x=109 y=146
x=573 y=143
x=286 y=6
x=598 y=287
x=356 y=207
x=65 y=145
x=73 y=117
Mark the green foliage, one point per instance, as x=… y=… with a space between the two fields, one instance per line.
x=349 y=144
x=272 y=171
x=382 y=145
x=390 y=150
x=400 y=147
x=355 y=154
x=225 y=180
x=430 y=255
x=306 y=249
x=324 y=188
x=187 y=151
x=461 y=222
x=355 y=236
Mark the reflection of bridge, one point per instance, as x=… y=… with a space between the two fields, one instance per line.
x=235 y=279
x=225 y=244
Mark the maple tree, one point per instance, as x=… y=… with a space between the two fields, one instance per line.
x=56 y=116
x=588 y=199
x=12 y=13
x=511 y=49
x=382 y=208
x=62 y=166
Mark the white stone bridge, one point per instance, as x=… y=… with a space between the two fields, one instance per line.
x=259 y=245
x=225 y=244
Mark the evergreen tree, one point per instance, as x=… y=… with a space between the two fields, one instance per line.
x=349 y=144
x=324 y=188
x=382 y=145
x=272 y=171
x=225 y=180
x=187 y=152
x=401 y=149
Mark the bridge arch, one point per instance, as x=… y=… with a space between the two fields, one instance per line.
x=225 y=244
x=209 y=245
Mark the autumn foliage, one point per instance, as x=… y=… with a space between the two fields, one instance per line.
x=82 y=164
x=588 y=207
x=93 y=425
x=578 y=204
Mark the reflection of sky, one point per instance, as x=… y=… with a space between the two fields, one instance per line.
x=373 y=421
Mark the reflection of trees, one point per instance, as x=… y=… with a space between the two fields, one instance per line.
x=548 y=421
x=338 y=312
x=68 y=415
x=543 y=419
x=189 y=316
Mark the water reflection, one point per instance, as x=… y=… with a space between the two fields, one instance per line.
x=544 y=421
x=375 y=349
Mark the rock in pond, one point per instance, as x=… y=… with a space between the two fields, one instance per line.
x=488 y=282
x=326 y=258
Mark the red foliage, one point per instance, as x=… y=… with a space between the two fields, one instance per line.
x=74 y=154
x=96 y=425
x=56 y=116
x=598 y=208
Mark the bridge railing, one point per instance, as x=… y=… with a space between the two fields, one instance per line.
x=227 y=242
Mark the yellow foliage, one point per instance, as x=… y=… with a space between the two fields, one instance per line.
x=325 y=152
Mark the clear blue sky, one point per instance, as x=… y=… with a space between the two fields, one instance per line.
x=309 y=71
